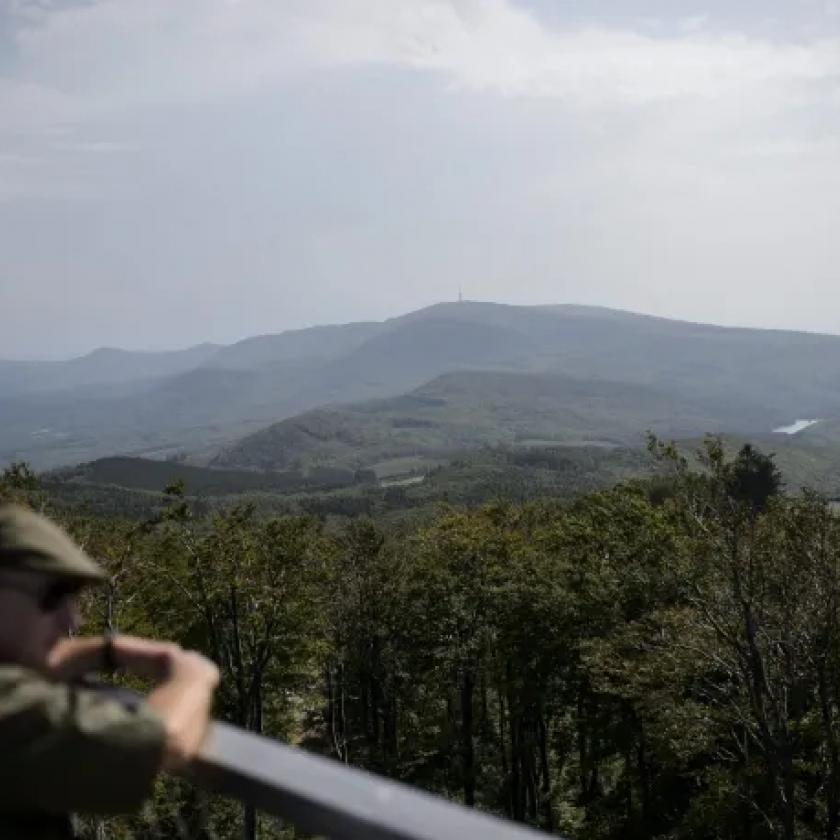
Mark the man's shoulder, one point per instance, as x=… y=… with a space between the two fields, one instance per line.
x=10 y=673
x=29 y=700
x=49 y=729
x=16 y=680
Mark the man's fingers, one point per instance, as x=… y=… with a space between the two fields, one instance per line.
x=144 y=657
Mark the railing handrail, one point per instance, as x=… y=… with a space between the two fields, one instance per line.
x=324 y=797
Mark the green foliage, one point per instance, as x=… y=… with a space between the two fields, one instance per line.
x=19 y=476
x=656 y=660
x=19 y=484
x=752 y=478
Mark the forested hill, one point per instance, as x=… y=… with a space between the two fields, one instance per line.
x=457 y=411
x=205 y=398
x=657 y=660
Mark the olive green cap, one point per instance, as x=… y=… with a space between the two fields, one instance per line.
x=29 y=542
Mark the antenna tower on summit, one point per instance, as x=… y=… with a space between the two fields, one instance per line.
x=460 y=296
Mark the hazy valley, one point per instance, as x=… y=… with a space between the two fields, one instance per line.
x=341 y=406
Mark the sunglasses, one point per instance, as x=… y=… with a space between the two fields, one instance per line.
x=48 y=597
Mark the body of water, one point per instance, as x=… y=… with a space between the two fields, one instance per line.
x=795 y=427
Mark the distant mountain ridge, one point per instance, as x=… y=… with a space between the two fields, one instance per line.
x=203 y=399
x=106 y=365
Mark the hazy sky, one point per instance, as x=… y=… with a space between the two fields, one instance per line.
x=174 y=171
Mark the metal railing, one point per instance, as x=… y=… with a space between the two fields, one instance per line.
x=323 y=797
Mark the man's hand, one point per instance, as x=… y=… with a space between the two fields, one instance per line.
x=184 y=684
x=146 y=658
x=184 y=700
x=72 y=659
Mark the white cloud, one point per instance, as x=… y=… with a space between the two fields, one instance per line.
x=83 y=62
x=28 y=107
x=693 y=23
x=123 y=51
x=94 y=146
x=338 y=144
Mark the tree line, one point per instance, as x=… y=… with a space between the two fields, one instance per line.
x=658 y=660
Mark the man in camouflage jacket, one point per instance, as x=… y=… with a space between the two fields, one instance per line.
x=64 y=745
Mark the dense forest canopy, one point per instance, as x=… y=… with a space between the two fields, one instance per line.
x=659 y=659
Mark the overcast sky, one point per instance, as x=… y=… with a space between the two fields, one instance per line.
x=175 y=171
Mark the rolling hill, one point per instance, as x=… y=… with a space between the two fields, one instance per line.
x=460 y=410
x=206 y=398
